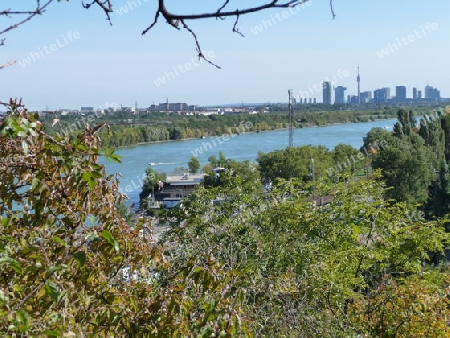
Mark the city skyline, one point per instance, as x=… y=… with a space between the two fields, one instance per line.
x=71 y=57
x=378 y=95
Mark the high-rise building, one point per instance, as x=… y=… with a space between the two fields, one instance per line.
x=432 y=93
x=382 y=95
x=419 y=94
x=365 y=97
x=353 y=99
x=339 y=94
x=400 y=93
x=326 y=92
x=414 y=93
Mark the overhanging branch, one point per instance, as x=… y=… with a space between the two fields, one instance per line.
x=30 y=14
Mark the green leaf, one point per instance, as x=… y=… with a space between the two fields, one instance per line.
x=88 y=177
x=52 y=290
x=59 y=241
x=22 y=316
x=80 y=256
x=5 y=221
x=107 y=235
x=3 y=298
x=23 y=320
x=96 y=174
x=56 y=269
x=13 y=264
x=34 y=183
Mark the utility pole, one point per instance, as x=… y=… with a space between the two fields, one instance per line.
x=291 y=119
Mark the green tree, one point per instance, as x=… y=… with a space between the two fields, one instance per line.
x=346 y=160
x=222 y=159
x=72 y=266
x=294 y=162
x=439 y=203
x=232 y=168
x=194 y=165
x=376 y=138
x=151 y=182
x=445 y=124
x=433 y=134
x=213 y=161
x=308 y=271
x=407 y=166
x=406 y=123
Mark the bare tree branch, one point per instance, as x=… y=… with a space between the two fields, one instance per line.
x=332 y=9
x=169 y=16
x=105 y=5
x=223 y=6
x=9 y=63
x=40 y=8
x=199 y=50
x=235 y=28
x=173 y=19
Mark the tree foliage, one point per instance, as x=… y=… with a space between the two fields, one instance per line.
x=405 y=124
x=407 y=166
x=307 y=271
x=194 y=165
x=71 y=265
x=415 y=161
x=294 y=162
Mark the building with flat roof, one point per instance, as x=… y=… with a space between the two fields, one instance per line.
x=326 y=92
x=339 y=94
x=365 y=97
x=177 y=187
x=400 y=93
x=432 y=93
x=382 y=95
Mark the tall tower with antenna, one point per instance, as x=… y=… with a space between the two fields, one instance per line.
x=358 y=79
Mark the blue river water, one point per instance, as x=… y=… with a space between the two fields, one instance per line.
x=166 y=156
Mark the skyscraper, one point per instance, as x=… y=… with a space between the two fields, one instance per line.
x=326 y=92
x=339 y=94
x=400 y=93
x=382 y=95
x=365 y=97
x=414 y=93
x=432 y=93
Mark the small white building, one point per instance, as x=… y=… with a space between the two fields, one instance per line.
x=178 y=187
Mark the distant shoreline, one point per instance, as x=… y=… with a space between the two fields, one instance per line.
x=251 y=132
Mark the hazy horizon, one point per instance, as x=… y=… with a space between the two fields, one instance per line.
x=72 y=57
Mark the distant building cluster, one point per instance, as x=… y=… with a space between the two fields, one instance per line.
x=166 y=107
x=379 y=95
x=180 y=108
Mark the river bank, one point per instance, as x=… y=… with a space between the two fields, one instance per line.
x=166 y=156
x=206 y=137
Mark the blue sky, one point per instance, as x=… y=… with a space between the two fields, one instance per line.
x=94 y=64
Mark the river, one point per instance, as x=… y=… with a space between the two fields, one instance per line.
x=166 y=156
